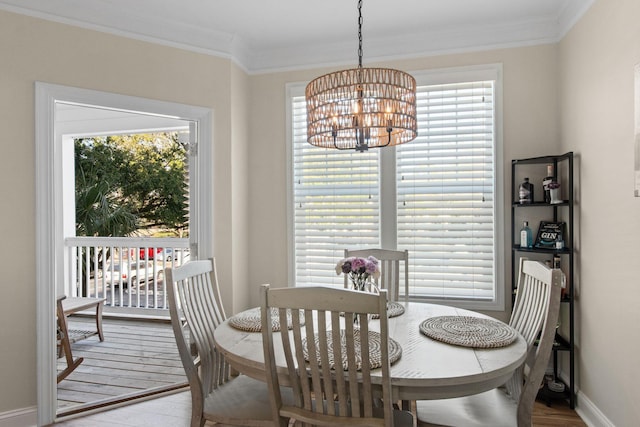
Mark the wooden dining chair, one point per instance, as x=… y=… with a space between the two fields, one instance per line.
x=332 y=383
x=196 y=310
x=535 y=316
x=391 y=262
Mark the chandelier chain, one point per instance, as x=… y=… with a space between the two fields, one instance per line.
x=359 y=108
x=360 y=20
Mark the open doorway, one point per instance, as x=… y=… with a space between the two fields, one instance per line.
x=126 y=218
x=58 y=110
x=126 y=204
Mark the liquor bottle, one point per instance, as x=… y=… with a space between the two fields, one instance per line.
x=526 y=192
x=563 y=278
x=545 y=184
x=526 y=236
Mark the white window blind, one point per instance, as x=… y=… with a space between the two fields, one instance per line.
x=445 y=192
x=439 y=201
x=336 y=204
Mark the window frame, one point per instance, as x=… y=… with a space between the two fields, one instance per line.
x=388 y=212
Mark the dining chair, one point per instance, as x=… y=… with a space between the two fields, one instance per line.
x=331 y=374
x=535 y=316
x=196 y=310
x=390 y=263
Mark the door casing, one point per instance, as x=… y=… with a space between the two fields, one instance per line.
x=49 y=223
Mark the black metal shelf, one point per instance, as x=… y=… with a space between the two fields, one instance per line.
x=564 y=210
x=561 y=343
x=543 y=159
x=539 y=204
x=565 y=250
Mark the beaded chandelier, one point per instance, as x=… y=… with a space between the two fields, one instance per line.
x=360 y=108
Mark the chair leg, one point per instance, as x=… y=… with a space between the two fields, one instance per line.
x=99 y=320
x=70 y=368
x=65 y=344
x=65 y=347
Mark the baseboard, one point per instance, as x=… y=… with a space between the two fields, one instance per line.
x=590 y=414
x=27 y=417
x=586 y=409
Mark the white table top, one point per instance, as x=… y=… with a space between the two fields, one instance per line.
x=428 y=369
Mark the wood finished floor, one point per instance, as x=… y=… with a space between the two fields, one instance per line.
x=135 y=357
x=175 y=410
x=139 y=355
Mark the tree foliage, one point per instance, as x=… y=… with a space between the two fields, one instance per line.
x=126 y=183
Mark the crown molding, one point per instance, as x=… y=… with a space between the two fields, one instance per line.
x=427 y=43
x=294 y=56
x=571 y=14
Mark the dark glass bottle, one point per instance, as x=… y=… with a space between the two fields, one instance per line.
x=526 y=192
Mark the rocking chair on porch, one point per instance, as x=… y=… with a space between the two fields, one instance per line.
x=64 y=342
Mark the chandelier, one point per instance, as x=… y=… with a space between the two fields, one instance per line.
x=361 y=108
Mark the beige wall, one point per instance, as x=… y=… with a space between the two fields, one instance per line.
x=34 y=50
x=597 y=111
x=240 y=124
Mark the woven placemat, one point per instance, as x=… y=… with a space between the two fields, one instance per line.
x=251 y=321
x=395 y=351
x=393 y=309
x=469 y=331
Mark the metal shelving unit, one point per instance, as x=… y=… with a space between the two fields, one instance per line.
x=563 y=172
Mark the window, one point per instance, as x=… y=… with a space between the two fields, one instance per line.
x=436 y=196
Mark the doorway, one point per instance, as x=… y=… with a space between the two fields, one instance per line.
x=50 y=200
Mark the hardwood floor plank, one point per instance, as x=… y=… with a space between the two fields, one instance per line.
x=101 y=374
x=136 y=356
x=558 y=414
x=79 y=397
x=84 y=387
x=143 y=366
x=165 y=360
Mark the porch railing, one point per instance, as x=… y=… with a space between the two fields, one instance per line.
x=127 y=271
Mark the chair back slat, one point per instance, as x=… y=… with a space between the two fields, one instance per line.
x=328 y=394
x=341 y=381
x=314 y=352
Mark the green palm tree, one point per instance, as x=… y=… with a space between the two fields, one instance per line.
x=98 y=215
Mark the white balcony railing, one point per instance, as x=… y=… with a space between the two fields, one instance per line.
x=127 y=271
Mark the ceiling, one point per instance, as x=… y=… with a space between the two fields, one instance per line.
x=273 y=35
x=75 y=120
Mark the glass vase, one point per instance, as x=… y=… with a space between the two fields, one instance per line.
x=363 y=285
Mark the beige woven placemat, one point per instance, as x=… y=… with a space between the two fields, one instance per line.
x=251 y=321
x=395 y=351
x=469 y=331
x=393 y=309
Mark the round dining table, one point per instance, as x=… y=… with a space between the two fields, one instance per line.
x=427 y=368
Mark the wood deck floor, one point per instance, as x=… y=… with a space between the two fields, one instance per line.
x=136 y=358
